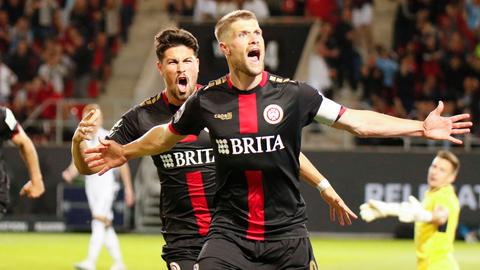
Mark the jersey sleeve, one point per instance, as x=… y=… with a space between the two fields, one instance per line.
x=126 y=129
x=8 y=124
x=187 y=120
x=319 y=107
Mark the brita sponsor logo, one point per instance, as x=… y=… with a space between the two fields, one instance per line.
x=187 y=158
x=248 y=145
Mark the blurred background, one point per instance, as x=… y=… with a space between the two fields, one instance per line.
x=396 y=57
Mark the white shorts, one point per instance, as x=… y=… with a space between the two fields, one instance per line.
x=101 y=193
x=362 y=16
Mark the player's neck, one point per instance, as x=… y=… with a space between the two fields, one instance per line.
x=244 y=81
x=172 y=100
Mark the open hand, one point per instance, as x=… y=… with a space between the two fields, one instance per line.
x=108 y=154
x=86 y=126
x=439 y=127
x=337 y=207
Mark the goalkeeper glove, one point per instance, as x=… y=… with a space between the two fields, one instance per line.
x=374 y=209
x=413 y=211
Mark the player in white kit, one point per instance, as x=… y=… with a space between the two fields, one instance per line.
x=101 y=192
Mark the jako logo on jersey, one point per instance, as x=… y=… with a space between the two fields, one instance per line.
x=223 y=116
x=237 y=146
x=187 y=158
x=273 y=114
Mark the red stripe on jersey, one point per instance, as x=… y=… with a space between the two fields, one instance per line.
x=196 y=193
x=256 y=206
x=189 y=138
x=264 y=79
x=342 y=110
x=172 y=129
x=247 y=113
x=16 y=130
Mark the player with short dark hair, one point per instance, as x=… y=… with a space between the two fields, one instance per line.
x=255 y=121
x=10 y=130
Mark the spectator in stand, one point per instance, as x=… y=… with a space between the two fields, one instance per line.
x=205 y=10
x=53 y=71
x=319 y=74
x=405 y=84
x=350 y=60
x=82 y=55
x=127 y=12
x=4 y=32
x=389 y=66
x=469 y=101
x=24 y=62
x=7 y=80
x=15 y=9
x=80 y=19
x=472 y=10
x=259 y=7
x=225 y=6
x=41 y=14
x=427 y=94
x=325 y=10
x=181 y=8
x=21 y=31
x=371 y=79
x=362 y=15
x=111 y=24
x=100 y=63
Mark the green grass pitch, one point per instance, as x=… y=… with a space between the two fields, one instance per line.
x=38 y=251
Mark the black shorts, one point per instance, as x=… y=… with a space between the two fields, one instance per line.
x=182 y=254
x=233 y=252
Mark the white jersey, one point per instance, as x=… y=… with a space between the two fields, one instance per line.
x=101 y=190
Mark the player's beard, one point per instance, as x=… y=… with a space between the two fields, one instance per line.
x=248 y=70
x=183 y=96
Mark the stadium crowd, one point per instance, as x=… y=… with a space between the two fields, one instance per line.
x=51 y=49
x=55 y=49
x=435 y=51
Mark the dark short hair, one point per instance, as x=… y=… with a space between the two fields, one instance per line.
x=174 y=37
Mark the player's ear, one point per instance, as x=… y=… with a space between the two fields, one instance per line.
x=224 y=48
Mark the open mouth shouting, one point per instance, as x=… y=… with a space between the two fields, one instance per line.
x=182 y=83
x=253 y=55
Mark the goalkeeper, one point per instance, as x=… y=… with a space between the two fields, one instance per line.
x=436 y=218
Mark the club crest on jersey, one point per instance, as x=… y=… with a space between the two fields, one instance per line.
x=273 y=114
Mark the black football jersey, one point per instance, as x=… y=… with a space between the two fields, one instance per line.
x=8 y=128
x=186 y=171
x=256 y=137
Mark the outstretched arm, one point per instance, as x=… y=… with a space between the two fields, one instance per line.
x=34 y=188
x=110 y=154
x=436 y=127
x=413 y=211
x=311 y=175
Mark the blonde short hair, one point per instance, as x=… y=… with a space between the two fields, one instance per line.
x=223 y=24
x=450 y=157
